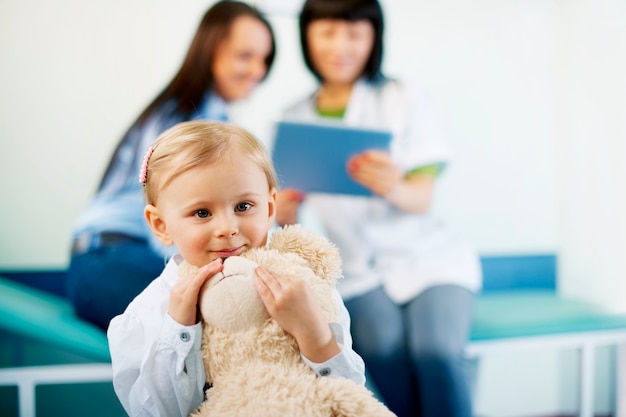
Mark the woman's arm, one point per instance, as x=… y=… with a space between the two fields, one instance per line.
x=376 y=171
x=412 y=194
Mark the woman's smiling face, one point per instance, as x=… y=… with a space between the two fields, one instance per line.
x=240 y=59
x=340 y=49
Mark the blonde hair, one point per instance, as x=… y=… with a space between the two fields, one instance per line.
x=198 y=143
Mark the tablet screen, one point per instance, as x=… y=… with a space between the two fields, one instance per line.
x=314 y=157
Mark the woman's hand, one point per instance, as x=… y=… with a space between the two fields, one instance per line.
x=376 y=171
x=287 y=203
x=290 y=302
x=183 y=306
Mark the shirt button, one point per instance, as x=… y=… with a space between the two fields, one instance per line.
x=325 y=371
x=184 y=336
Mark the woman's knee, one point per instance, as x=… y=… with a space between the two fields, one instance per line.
x=376 y=325
x=380 y=346
x=439 y=321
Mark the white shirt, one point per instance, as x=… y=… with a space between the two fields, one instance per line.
x=157 y=362
x=380 y=244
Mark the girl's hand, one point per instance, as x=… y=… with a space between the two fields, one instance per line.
x=183 y=306
x=287 y=203
x=290 y=302
x=376 y=171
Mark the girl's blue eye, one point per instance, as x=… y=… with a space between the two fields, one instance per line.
x=243 y=206
x=202 y=213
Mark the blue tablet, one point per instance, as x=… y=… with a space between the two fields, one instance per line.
x=313 y=157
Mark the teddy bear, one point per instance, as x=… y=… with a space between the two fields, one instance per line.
x=253 y=367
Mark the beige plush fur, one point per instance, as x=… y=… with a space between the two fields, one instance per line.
x=254 y=367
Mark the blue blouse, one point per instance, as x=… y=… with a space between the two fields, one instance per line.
x=119 y=202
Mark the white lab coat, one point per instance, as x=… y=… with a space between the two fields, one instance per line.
x=157 y=363
x=381 y=245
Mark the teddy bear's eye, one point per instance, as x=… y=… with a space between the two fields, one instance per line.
x=202 y=213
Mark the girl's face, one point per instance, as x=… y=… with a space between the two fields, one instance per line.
x=215 y=211
x=339 y=49
x=239 y=63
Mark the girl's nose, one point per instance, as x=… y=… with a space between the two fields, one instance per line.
x=226 y=226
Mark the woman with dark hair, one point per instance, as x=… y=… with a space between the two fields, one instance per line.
x=114 y=255
x=409 y=284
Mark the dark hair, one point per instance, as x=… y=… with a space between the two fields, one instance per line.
x=345 y=10
x=195 y=75
x=196 y=72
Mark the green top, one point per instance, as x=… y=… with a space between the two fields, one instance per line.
x=334 y=113
x=431 y=170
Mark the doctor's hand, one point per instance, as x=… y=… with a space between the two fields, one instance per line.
x=376 y=171
x=287 y=203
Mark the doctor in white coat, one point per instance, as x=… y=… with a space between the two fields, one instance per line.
x=409 y=283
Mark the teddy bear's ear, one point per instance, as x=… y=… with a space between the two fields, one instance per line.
x=320 y=253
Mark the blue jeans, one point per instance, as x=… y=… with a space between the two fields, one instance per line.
x=414 y=352
x=103 y=281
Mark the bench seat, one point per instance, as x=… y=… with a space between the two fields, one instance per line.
x=526 y=313
x=50 y=319
x=515 y=320
x=48 y=353
x=519 y=318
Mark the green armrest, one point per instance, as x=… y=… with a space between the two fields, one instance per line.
x=50 y=319
x=524 y=313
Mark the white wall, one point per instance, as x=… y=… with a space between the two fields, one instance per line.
x=489 y=65
x=592 y=144
x=75 y=74
x=533 y=93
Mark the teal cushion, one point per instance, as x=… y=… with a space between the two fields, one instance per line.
x=50 y=319
x=522 y=313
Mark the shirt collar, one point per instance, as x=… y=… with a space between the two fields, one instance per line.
x=213 y=107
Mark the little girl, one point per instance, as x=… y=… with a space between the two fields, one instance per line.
x=210 y=189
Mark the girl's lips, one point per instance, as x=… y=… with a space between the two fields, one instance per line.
x=225 y=253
